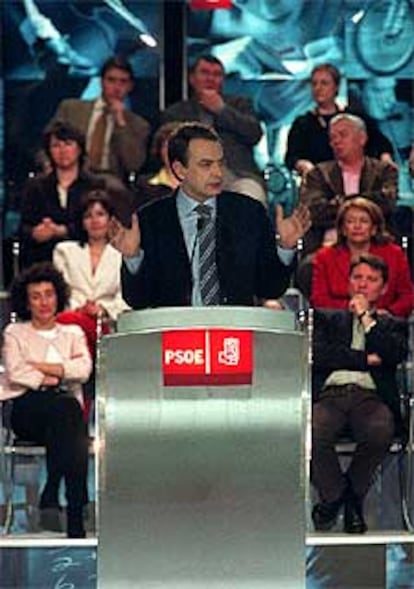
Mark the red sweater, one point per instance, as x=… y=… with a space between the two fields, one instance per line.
x=330 y=279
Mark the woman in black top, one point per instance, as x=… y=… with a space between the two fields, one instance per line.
x=308 y=140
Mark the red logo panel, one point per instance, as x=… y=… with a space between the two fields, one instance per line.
x=207 y=357
x=209 y=4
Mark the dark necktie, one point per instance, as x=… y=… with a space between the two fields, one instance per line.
x=206 y=233
x=97 y=144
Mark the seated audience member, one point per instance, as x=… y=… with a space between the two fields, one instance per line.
x=116 y=138
x=350 y=173
x=232 y=117
x=411 y=161
x=360 y=228
x=308 y=139
x=45 y=365
x=203 y=245
x=355 y=355
x=152 y=187
x=91 y=267
x=50 y=206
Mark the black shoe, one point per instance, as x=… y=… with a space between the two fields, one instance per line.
x=77 y=532
x=75 y=527
x=50 y=519
x=354 y=522
x=324 y=514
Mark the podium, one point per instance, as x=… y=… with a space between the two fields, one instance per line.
x=201 y=425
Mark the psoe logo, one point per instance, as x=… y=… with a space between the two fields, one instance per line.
x=179 y=356
x=207 y=357
x=230 y=354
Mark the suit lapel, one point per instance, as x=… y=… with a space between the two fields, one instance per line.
x=85 y=113
x=336 y=179
x=173 y=233
x=225 y=236
x=366 y=180
x=343 y=325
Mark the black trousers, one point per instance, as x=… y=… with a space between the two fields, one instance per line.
x=371 y=425
x=54 y=419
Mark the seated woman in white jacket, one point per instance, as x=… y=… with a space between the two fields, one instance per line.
x=91 y=267
x=45 y=364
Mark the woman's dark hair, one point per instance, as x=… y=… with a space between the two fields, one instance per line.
x=330 y=69
x=40 y=272
x=88 y=199
x=369 y=207
x=64 y=131
x=161 y=135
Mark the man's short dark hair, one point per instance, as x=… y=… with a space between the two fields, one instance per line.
x=209 y=59
x=374 y=262
x=119 y=62
x=40 y=272
x=179 y=141
x=64 y=131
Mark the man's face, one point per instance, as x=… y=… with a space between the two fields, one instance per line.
x=202 y=177
x=368 y=282
x=207 y=76
x=347 y=141
x=116 y=84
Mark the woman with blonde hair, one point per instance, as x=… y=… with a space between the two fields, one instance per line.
x=361 y=229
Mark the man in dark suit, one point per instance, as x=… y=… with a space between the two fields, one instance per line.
x=355 y=356
x=232 y=117
x=162 y=250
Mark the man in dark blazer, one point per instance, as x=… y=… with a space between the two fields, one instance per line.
x=161 y=249
x=355 y=356
x=231 y=116
x=326 y=186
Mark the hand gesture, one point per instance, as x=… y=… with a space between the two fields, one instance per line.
x=44 y=231
x=117 y=109
x=304 y=166
x=211 y=100
x=387 y=158
x=294 y=227
x=358 y=304
x=374 y=360
x=92 y=308
x=127 y=241
x=50 y=381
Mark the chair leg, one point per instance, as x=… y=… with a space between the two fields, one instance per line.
x=406 y=473
x=9 y=489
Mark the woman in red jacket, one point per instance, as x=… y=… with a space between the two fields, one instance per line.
x=360 y=228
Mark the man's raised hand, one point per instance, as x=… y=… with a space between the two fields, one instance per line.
x=292 y=228
x=127 y=241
